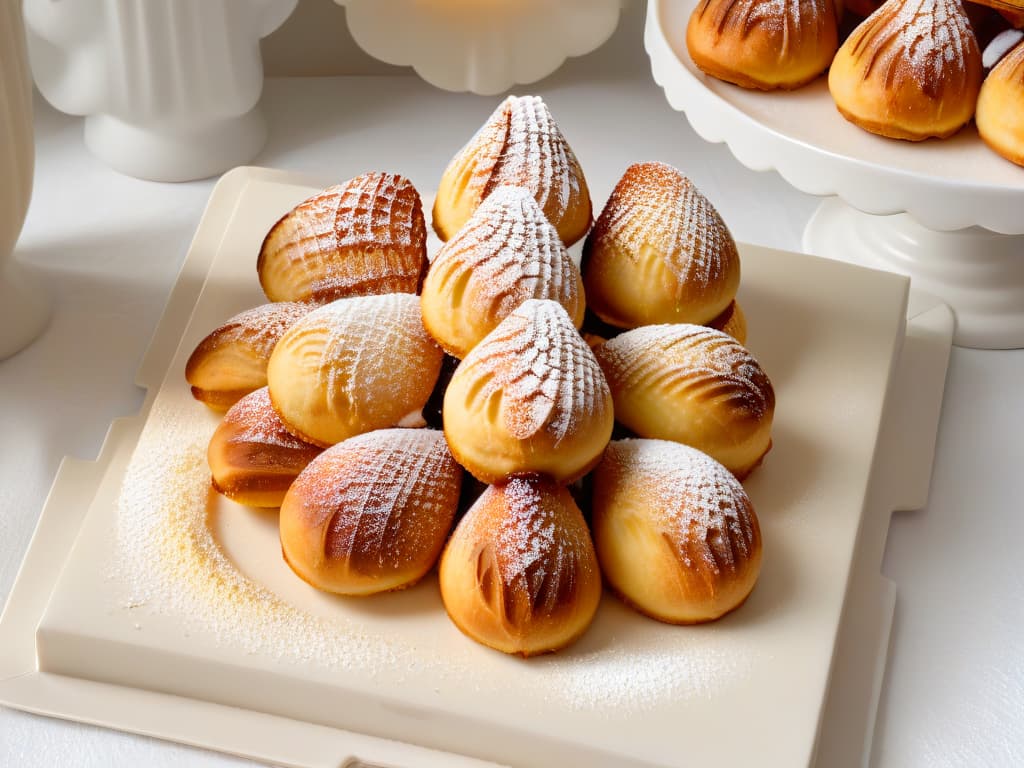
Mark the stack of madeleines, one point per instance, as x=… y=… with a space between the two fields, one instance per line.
x=327 y=392
x=913 y=69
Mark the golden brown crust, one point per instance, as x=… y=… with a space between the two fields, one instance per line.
x=529 y=398
x=252 y=457
x=659 y=252
x=912 y=70
x=372 y=513
x=693 y=385
x=519 y=145
x=757 y=44
x=366 y=236
x=675 y=533
x=519 y=574
x=231 y=361
x=506 y=253
x=732 y=321
x=1000 y=114
x=354 y=365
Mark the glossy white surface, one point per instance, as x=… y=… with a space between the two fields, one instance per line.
x=110 y=246
x=169 y=90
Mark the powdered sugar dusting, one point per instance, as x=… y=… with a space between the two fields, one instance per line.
x=546 y=375
x=796 y=22
x=927 y=42
x=689 y=358
x=386 y=496
x=521 y=145
x=364 y=236
x=363 y=344
x=259 y=423
x=690 y=496
x=656 y=207
x=506 y=253
x=259 y=328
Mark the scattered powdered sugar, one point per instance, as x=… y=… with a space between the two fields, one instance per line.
x=167 y=561
x=692 y=358
x=506 y=253
x=690 y=496
x=929 y=42
x=259 y=328
x=385 y=495
x=655 y=206
x=520 y=144
x=547 y=376
x=366 y=232
x=259 y=423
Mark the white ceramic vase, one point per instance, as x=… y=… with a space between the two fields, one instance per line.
x=482 y=46
x=169 y=88
x=24 y=308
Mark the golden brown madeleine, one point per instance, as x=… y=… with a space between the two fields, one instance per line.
x=356 y=364
x=911 y=70
x=252 y=456
x=232 y=361
x=519 y=574
x=529 y=399
x=371 y=514
x=693 y=385
x=520 y=144
x=366 y=236
x=659 y=252
x=764 y=44
x=676 y=534
x=732 y=321
x=506 y=253
x=1000 y=115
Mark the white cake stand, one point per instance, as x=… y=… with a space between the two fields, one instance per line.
x=948 y=213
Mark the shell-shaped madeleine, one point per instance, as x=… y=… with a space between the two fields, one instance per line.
x=693 y=385
x=253 y=458
x=506 y=253
x=232 y=361
x=529 y=399
x=764 y=44
x=911 y=70
x=1000 y=114
x=366 y=236
x=659 y=252
x=521 y=145
x=371 y=514
x=675 y=533
x=356 y=364
x=519 y=574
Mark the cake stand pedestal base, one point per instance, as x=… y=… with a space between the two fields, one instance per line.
x=979 y=273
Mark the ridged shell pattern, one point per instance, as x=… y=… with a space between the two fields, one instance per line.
x=541 y=369
x=520 y=144
x=929 y=43
x=655 y=207
x=378 y=496
x=506 y=253
x=532 y=554
x=259 y=328
x=365 y=236
x=692 y=498
x=1010 y=69
x=258 y=423
x=795 y=23
x=718 y=368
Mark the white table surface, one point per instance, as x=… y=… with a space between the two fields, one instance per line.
x=110 y=247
